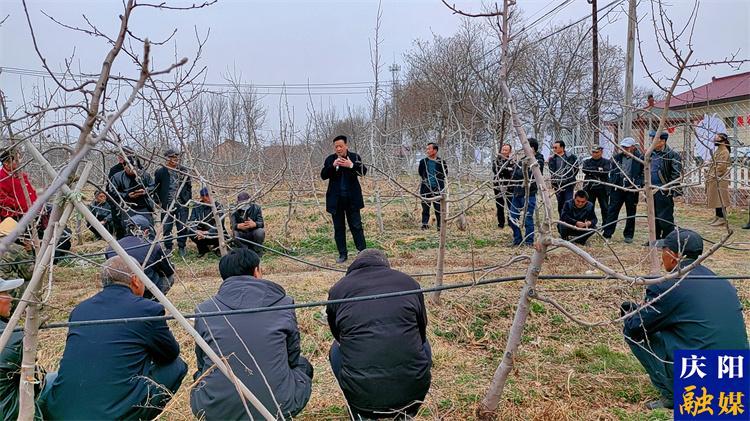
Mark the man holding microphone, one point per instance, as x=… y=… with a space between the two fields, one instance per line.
x=344 y=194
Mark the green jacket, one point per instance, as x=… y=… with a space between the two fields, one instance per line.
x=10 y=376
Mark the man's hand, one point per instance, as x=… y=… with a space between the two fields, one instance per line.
x=201 y=234
x=347 y=162
x=580 y=224
x=136 y=194
x=247 y=225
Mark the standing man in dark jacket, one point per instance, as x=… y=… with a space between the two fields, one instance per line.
x=502 y=172
x=174 y=190
x=579 y=213
x=248 y=225
x=134 y=189
x=113 y=197
x=138 y=244
x=666 y=169
x=344 y=195
x=524 y=190
x=563 y=168
x=627 y=175
x=380 y=355
x=277 y=373
x=102 y=210
x=596 y=175
x=696 y=314
x=432 y=171
x=119 y=371
x=202 y=224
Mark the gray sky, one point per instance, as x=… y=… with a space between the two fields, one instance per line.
x=292 y=42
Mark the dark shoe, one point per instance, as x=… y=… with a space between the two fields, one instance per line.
x=425 y=226
x=201 y=254
x=167 y=250
x=627 y=240
x=501 y=226
x=746 y=226
x=608 y=238
x=217 y=252
x=341 y=259
x=181 y=251
x=659 y=404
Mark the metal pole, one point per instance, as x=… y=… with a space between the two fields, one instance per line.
x=629 y=64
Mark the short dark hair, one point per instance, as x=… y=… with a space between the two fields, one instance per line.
x=434 y=146
x=534 y=144
x=561 y=143
x=238 y=262
x=583 y=194
x=341 y=137
x=7 y=154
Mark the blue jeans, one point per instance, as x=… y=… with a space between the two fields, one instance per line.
x=563 y=195
x=516 y=206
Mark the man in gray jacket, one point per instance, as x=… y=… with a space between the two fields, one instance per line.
x=279 y=376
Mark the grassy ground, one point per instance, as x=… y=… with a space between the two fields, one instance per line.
x=563 y=371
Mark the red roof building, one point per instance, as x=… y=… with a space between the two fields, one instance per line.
x=721 y=89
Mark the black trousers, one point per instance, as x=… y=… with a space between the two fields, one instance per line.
x=601 y=195
x=580 y=236
x=255 y=235
x=617 y=198
x=563 y=195
x=205 y=245
x=664 y=206
x=178 y=216
x=344 y=213
x=501 y=202
x=426 y=208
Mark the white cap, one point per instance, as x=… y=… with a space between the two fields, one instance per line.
x=10 y=284
x=627 y=142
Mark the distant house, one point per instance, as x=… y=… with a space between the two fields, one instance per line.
x=230 y=151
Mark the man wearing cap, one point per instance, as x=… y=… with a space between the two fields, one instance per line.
x=139 y=245
x=173 y=190
x=116 y=371
x=596 y=171
x=248 y=225
x=202 y=224
x=134 y=188
x=666 y=169
x=344 y=199
x=12 y=355
x=563 y=168
x=697 y=314
x=13 y=200
x=578 y=213
x=627 y=175
x=18 y=260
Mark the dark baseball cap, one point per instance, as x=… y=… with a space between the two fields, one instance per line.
x=684 y=242
x=141 y=222
x=171 y=152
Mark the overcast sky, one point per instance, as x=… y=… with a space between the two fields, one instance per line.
x=296 y=42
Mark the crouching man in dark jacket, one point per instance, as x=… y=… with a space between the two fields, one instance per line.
x=578 y=213
x=380 y=356
x=116 y=371
x=272 y=337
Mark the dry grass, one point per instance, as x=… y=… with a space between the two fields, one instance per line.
x=563 y=371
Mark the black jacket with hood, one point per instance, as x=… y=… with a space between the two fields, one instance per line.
x=384 y=364
x=272 y=337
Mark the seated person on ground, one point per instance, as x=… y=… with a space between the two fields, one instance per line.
x=11 y=356
x=202 y=224
x=138 y=244
x=116 y=371
x=102 y=210
x=64 y=243
x=578 y=212
x=696 y=314
x=273 y=338
x=380 y=355
x=247 y=224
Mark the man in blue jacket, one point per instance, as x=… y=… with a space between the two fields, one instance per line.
x=118 y=371
x=696 y=314
x=276 y=372
x=578 y=213
x=344 y=195
x=627 y=175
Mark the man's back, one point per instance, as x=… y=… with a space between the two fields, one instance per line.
x=158 y=267
x=101 y=371
x=384 y=363
x=273 y=339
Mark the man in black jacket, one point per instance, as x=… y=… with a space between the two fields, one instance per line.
x=139 y=245
x=248 y=225
x=276 y=372
x=118 y=371
x=344 y=195
x=696 y=314
x=102 y=211
x=380 y=355
x=134 y=188
x=666 y=169
x=578 y=213
x=627 y=174
x=502 y=172
x=174 y=190
x=202 y=224
x=521 y=181
x=563 y=168
x=596 y=175
x=432 y=171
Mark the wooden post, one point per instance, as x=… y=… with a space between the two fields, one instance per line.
x=435 y=296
